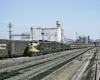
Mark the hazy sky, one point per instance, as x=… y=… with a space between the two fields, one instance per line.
x=81 y=16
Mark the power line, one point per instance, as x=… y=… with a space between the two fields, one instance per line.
x=16 y=27
x=3 y=23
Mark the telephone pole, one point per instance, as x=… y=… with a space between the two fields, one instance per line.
x=9 y=50
x=10 y=26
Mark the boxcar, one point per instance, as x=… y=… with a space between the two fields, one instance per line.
x=13 y=48
x=18 y=47
x=3 y=48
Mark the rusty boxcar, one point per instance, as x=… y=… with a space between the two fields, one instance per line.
x=16 y=47
x=3 y=48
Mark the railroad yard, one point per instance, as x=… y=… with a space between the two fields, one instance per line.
x=49 y=40
x=77 y=64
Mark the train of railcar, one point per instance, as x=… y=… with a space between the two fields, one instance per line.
x=17 y=47
x=49 y=47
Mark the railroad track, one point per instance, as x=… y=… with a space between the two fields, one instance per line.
x=37 y=70
x=90 y=69
x=96 y=69
x=47 y=72
x=23 y=60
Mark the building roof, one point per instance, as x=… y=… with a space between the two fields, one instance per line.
x=49 y=28
x=46 y=28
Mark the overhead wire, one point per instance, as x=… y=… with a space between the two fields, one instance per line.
x=16 y=27
x=3 y=23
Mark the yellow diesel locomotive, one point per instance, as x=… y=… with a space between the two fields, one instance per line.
x=31 y=50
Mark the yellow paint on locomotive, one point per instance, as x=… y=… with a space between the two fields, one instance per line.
x=30 y=49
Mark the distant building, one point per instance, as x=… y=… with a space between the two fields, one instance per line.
x=68 y=41
x=83 y=40
x=62 y=35
x=25 y=36
x=48 y=34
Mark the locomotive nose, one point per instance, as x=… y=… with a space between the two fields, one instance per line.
x=31 y=50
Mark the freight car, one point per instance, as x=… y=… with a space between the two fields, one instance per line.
x=18 y=47
x=3 y=48
x=13 y=48
x=77 y=46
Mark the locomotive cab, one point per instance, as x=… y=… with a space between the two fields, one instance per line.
x=31 y=50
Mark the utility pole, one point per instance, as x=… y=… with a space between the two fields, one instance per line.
x=32 y=33
x=76 y=36
x=9 y=51
x=10 y=30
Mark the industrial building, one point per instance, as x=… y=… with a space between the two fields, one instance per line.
x=83 y=40
x=46 y=34
x=69 y=41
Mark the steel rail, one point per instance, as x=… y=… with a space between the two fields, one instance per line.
x=5 y=75
x=79 y=76
x=96 y=71
x=52 y=69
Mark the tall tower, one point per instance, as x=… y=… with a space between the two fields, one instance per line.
x=58 y=23
x=59 y=31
